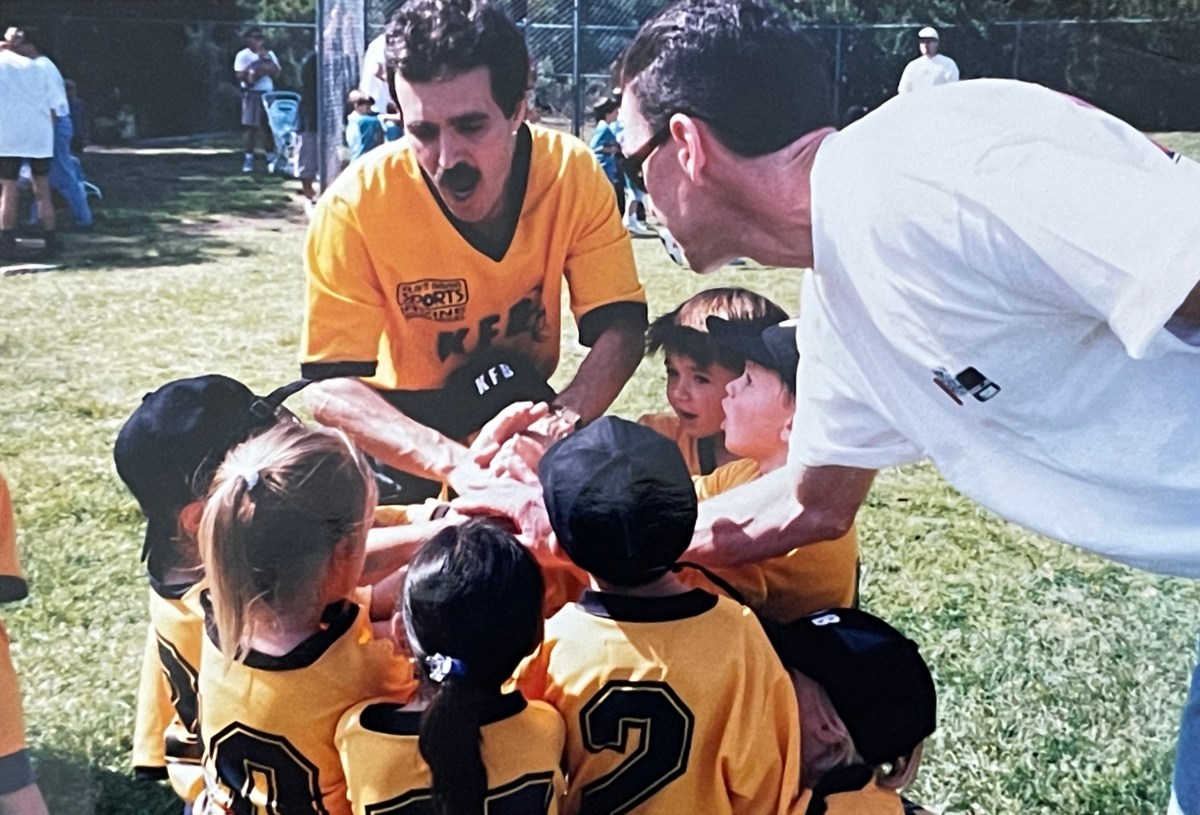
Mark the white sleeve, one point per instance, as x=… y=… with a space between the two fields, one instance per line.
x=1107 y=219
x=953 y=70
x=834 y=424
x=244 y=59
x=905 y=83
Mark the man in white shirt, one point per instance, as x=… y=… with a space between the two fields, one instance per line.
x=256 y=67
x=28 y=98
x=929 y=69
x=1003 y=281
x=65 y=177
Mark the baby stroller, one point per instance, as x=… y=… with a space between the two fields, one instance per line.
x=283 y=116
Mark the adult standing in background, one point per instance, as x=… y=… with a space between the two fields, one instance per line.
x=27 y=98
x=1002 y=281
x=929 y=69
x=308 y=137
x=65 y=176
x=256 y=67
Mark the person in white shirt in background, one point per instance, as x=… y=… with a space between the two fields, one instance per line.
x=256 y=67
x=27 y=97
x=929 y=69
x=65 y=176
x=373 y=83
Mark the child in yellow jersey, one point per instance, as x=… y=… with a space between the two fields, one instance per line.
x=867 y=704
x=286 y=650
x=698 y=370
x=471 y=611
x=673 y=698
x=759 y=407
x=166 y=453
x=19 y=793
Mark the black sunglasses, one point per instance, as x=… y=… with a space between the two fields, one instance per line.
x=631 y=164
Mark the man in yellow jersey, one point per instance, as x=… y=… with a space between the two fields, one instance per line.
x=446 y=252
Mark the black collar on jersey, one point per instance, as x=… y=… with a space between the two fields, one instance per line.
x=170 y=591
x=841 y=779
x=395 y=719
x=336 y=617
x=514 y=191
x=625 y=608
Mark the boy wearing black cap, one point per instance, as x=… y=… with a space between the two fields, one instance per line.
x=167 y=453
x=693 y=674
x=867 y=703
x=759 y=408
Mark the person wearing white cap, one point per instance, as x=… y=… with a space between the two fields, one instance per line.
x=929 y=69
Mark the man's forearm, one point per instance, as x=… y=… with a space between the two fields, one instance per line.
x=771 y=516
x=382 y=431
x=605 y=370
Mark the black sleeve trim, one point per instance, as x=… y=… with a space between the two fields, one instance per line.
x=601 y=318
x=16 y=772
x=332 y=370
x=12 y=588
x=150 y=773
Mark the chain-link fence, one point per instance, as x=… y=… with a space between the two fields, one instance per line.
x=146 y=76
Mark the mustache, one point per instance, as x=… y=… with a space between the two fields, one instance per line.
x=460 y=177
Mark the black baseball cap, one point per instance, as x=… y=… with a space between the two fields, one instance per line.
x=484 y=384
x=771 y=345
x=172 y=444
x=620 y=500
x=875 y=677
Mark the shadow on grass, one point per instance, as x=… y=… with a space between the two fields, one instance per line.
x=73 y=786
x=184 y=204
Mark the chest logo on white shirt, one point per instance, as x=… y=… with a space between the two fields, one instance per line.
x=968 y=382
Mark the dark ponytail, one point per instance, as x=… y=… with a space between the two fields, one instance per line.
x=472 y=607
x=449 y=743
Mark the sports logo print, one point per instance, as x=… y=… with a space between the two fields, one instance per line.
x=442 y=301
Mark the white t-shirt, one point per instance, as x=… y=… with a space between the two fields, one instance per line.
x=244 y=59
x=59 y=89
x=373 y=81
x=997 y=232
x=925 y=72
x=27 y=96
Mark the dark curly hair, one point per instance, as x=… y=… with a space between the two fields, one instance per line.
x=428 y=40
x=737 y=65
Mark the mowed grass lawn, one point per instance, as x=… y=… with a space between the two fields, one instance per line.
x=1061 y=676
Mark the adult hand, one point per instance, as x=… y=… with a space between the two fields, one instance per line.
x=518 y=502
x=514 y=419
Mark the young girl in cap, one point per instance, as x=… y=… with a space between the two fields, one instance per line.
x=470 y=612
x=287 y=649
x=867 y=703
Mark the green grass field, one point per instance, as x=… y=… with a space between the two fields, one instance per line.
x=1060 y=675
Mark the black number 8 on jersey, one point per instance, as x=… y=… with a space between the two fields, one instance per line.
x=664 y=725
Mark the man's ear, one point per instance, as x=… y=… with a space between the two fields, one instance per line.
x=694 y=139
x=786 y=433
x=519 y=114
x=189 y=518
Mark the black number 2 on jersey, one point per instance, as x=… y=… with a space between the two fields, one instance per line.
x=664 y=724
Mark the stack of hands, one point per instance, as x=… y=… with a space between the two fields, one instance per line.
x=499 y=479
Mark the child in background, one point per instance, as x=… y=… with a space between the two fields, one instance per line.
x=364 y=131
x=19 y=793
x=673 y=698
x=606 y=148
x=759 y=407
x=167 y=453
x=867 y=703
x=471 y=611
x=287 y=650
x=698 y=371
